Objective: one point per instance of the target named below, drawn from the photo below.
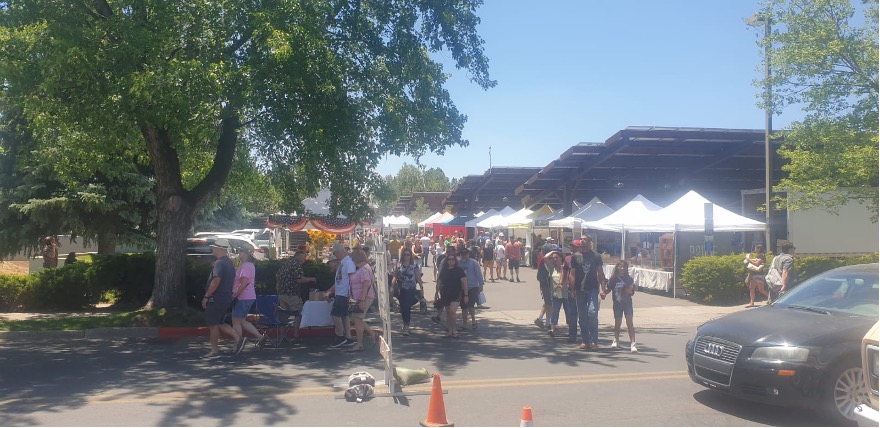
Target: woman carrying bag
(755, 277)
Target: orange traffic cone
(436, 408)
(526, 419)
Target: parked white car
(263, 238)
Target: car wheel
(845, 390)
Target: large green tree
(824, 56)
(318, 90)
(413, 178)
(107, 206)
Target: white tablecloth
(316, 313)
(646, 278)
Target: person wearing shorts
(489, 259)
(341, 290)
(622, 290)
(218, 297)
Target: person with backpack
(489, 259)
(780, 276)
(587, 278)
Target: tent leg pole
(674, 261)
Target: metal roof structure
(407, 204)
(661, 163)
(493, 189)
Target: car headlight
(789, 354)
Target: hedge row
(126, 277)
(720, 279)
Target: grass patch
(151, 318)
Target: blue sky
(578, 71)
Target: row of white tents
(687, 214)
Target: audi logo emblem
(714, 349)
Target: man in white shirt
(426, 248)
(500, 259)
(341, 289)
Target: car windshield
(852, 293)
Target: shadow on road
(758, 412)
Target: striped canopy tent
(296, 223)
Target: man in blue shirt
(475, 287)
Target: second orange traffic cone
(436, 408)
(526, 419)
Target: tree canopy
(824, 58)
(316, 91)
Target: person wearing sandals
(475, 287)
(364, 292)
(406, 277)
(452, 290)
(622, 290)
(243, 297)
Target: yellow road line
(451, 385)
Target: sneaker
(511, 280)
(262, 342)
(613, 344)
(436, 319)
(405, 331)
(539, 323)
(594, 347)
(632, 348)
(350, 342)
(340, 341)
(239, 345)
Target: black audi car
(803, 350)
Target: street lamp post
(756, 20)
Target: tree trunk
(106, 244)
(177, 207)
(175, 217)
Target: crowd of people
(573, 283)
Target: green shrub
(807, 267)
(720, 279)
(62, 289)
(714, 279)
(128, 280)
(16, 292)
(129, 275)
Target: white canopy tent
(496, 220)
(396, 222)
(480, 217)
(636, 210)
(430, 220)
(593, 210)
(687, 214)
(518, 220)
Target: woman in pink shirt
(243, 298)
(364, 292)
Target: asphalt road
(489, 374)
